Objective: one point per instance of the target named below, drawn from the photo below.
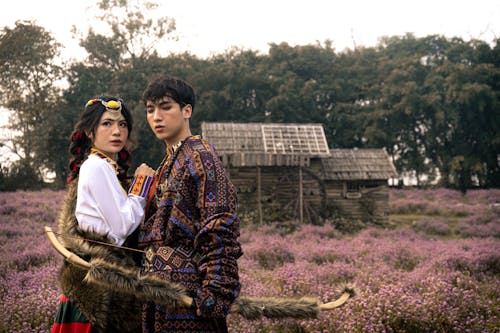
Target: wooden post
(301, 203)
(259, 196)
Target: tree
(300, 81)
(28, 87)
(470, 153)
(231, 87)
(120, 62)
(432, 102)
(132, 34)
(439, 107)
(356, 86)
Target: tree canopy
(28, 86)
(432, 102)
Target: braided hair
(80, 142)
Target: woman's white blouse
(103, 206)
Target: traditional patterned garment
(85, 307)
(190, 236)
(70, 319)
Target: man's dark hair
(175, 88)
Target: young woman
(98, 210)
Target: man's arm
(217, 240)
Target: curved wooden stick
(68, 255)
(78, 261)
(74, 259)
(335, 304)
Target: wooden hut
(356, 183)
(285, 171)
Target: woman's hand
(144, 169)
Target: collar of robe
(105, 157)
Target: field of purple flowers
(436, 269)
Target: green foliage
(27, 54)
(20, 176)
(28, 87)
(120, 62)
(439, 104)
(432, 102)
(133, 33)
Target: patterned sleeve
(217, 240)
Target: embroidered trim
(105, 157)
(173, 148)
(141, 185)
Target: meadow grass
(437, 269)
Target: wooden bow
(269, 307)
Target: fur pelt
(111, 292)
(149, 288)
(145, 287)
(255, 308)
(108, 310)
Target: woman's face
(111, 134)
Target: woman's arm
(104, 207)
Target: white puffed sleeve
(103, 206)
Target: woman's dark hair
(175, 88)
(80, 143)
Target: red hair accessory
(78, 135)
(93, 101)
(123, 155)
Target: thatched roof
(272, 144)
(358, 164)
(267, 138)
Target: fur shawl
(108, 310)
(111, 293)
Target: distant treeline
(432, 102)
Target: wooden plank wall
(278, 185)
(371, 205)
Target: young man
(191, 228)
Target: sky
(207, 27)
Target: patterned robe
(191, 237)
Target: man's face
(168, 120)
